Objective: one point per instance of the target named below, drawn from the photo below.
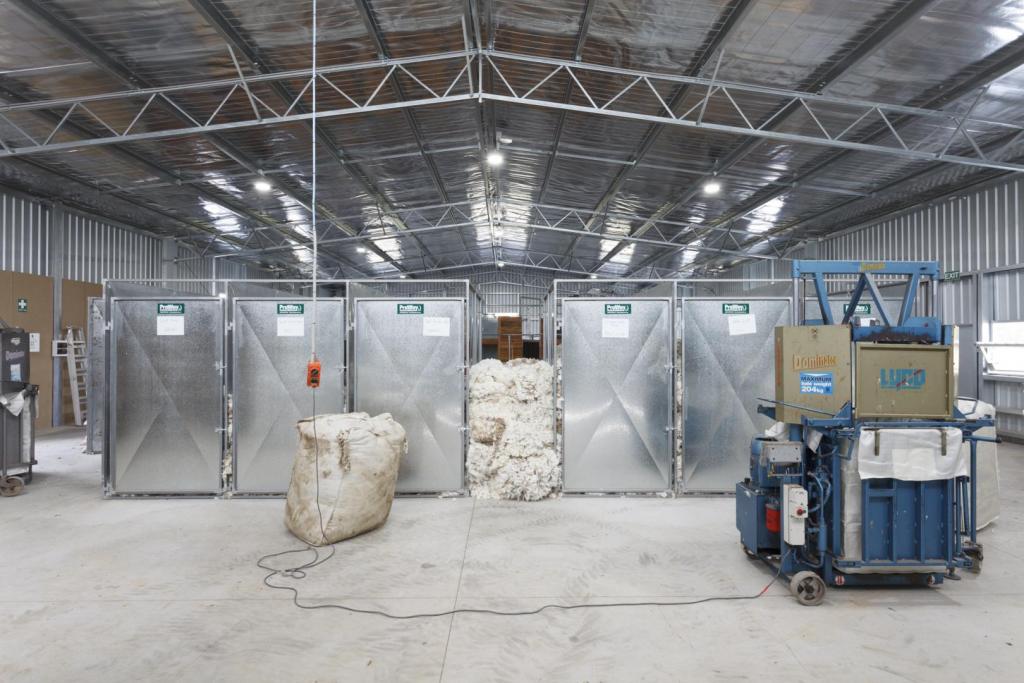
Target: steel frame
(539, 217)
(467, 86)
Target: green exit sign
(951, 276)
(22, 305)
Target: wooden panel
(38, 291)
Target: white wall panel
(24, 235)
(95, 250)
(977, 230)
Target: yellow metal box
(812, 370)
(904, 380)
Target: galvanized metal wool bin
(728, 363)
(409, 359)
(617, 394)
(165, 419)
(270, 349)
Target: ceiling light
(361, 250)
(262, 186)
(593, 276)
(402, 276)
(495, 158)
(501, 264)
(712, 187)
(506, 140)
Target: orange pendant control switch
(313, 374)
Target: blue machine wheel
(808, 588)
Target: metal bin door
(727, 365)
(167, 410)
(270, 344)
(617, 394)
(409, 362)
(96, 375)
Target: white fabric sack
(358, 467)
(911, 454)
(13, 402)
(988, 461)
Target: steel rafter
(870, 40)
(715, 43)
(466, 87)
(57, 24)
(373, 30)
(572, 221)
(226, 26)
(1005, 60)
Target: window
(1004, 353)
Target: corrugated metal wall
(972, 232)
(95, 250)
(24, 235)
(979, 233)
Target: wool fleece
(512, 443)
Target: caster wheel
(749, 553)
(808, 588)
(11, 486)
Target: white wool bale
(511, 454)
(487, 421)
(354, 486)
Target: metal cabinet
(166, 408)
(270, 349)
(617, 394)
(728, 363)
(409, 359)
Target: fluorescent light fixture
(402, 276)
(495, 158)
(712, 187)
(361, 249)
(593, 276)
(262, 186)
(501, 264)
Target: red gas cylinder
(771, 517)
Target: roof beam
(1005, 60)
(369, 19)
(63, 28)
(221, 22)
(577, 55)
(734, 16)
(746, 130)
(873, 38)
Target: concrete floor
(127, 590)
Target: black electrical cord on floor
(299, 572)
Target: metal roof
(612, 115)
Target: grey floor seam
(458, 588)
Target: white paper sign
(742, 324)
(15, 372)
(170, 325)
(615, 328)
(291, 326)
(434, 326)
(33, 342)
